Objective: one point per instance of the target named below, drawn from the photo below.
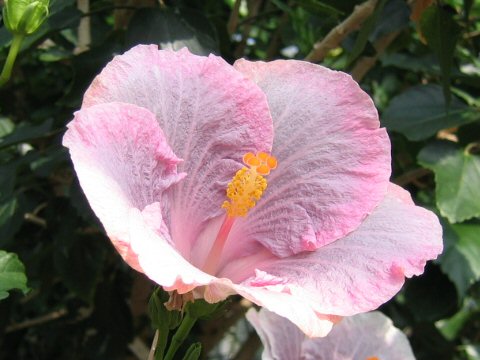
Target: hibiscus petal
(281, 301)
(281, 339)
(157, 257)
(123, 162)
(355, 274)
(333, 160)
(362, 336)
(211, 115)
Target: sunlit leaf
(12, 274)
(461, 257)
(457, 178)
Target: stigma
(248, 184)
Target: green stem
(180, 336)
(12, 55)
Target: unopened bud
(24, 17)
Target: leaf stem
(180, 336)
(151, 354)
(12, 55)
(341, 31)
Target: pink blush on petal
(333, 159)
(123, 162)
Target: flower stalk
(12, 55)
(180, 336)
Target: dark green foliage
(441, 32)
(420, 111)
(426, 85)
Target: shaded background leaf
(421, 111)
(441, 32)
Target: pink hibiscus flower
(161, 134)
(369, 336)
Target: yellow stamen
(248, 184)
(373, 358)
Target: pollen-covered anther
(248, 184)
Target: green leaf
(50, 160)
(12, 274)
(460, 260)
(428, 342)
(193, 352)
(111, 319)
(200, 309)
(450, 328)
(160, 320)
(469, 245)
(421, 64)
(79, 260)
(395, 16)
(317, 7)
(6, 126)
(78, 257)
(345, 6)
(457, 178)
(420, 112)
(432, 296)
(11, 219)
(365, 32)
(86, 66)
(467, 7)
(472, 352)
(160, 316)
(25, 132)
(172, 31)
(441, 32)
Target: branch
(412, 176)
(84, 36)
(249, 348)
(276, 38)
(253, 9)
(214, 330)
(365, 63)
(234, 16)
(139, 349)
(124, 10)
(34, 219)
(337, 34)
(151, 355)
(37, 321)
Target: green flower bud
(193, 352)
(24, 17)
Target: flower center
(245, 189)
(248, 184)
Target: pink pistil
(213, 258)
